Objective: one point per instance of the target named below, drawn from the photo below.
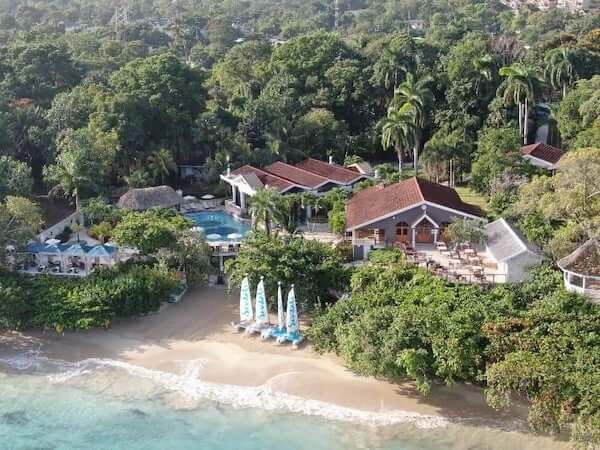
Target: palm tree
(398, 130)
(560, 69)
(161, 164)
(417, 94)
(263, 205)
(435, 158)
(523, 87)
(484, 66)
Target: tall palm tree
(398, 131)
(263, 205)
(560, 68)
(523, 87)
(161, 164)
(417, 94)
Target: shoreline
(197, 329)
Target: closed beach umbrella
(262, 311)
(246, 313)
(280, 313)
(292, 312)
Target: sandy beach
(198, 328)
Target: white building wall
(517, 268)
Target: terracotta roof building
(542, 155)
(310, 175)
(413, 211)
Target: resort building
(512, 253)
(310, 175)
(581, 270)
(542, 155)
(151, 197)
(411, 212)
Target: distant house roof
(266, 178)
(372, 204)
(583, 261)
(362, 167)
(152, 197)
(296, 175)
(544, 152)
(332, 171)
(505, 241)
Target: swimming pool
(219, 225)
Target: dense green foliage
(95, 301)
(150, 230)
(534, 339)
(315, 268)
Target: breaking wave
(190, 385)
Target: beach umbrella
(262, 311)
(52, 250)
(292, 312)
(207, 197)
(234, 236)
(75, 250)
(246, 313)
(213, 236)
(280, 313)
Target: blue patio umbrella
(51, 250)
(292, 313)
(75, 250)
(246, 313)
(262, 311)
(99, 250)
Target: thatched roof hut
(152, 197)
(583, 261)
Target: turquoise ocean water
(103, 404)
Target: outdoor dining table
(469, 251)
(477, 269)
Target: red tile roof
(544, 152)
(371, 204)
(331, 171)
(266, 178)
(296, 175)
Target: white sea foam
(190, 385)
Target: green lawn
(468, 195)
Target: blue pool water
(219, 223)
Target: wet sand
(198, 328)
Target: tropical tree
(465, 230)
(263, 206)
(560, 68)
(20, 219)
(161, 164)
(398, 130)
(416, 93)
(484, 68)
(523, 87)
(82, 162)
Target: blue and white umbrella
(292, 313)
(280, 312)
(246, 313)
(262, 311)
